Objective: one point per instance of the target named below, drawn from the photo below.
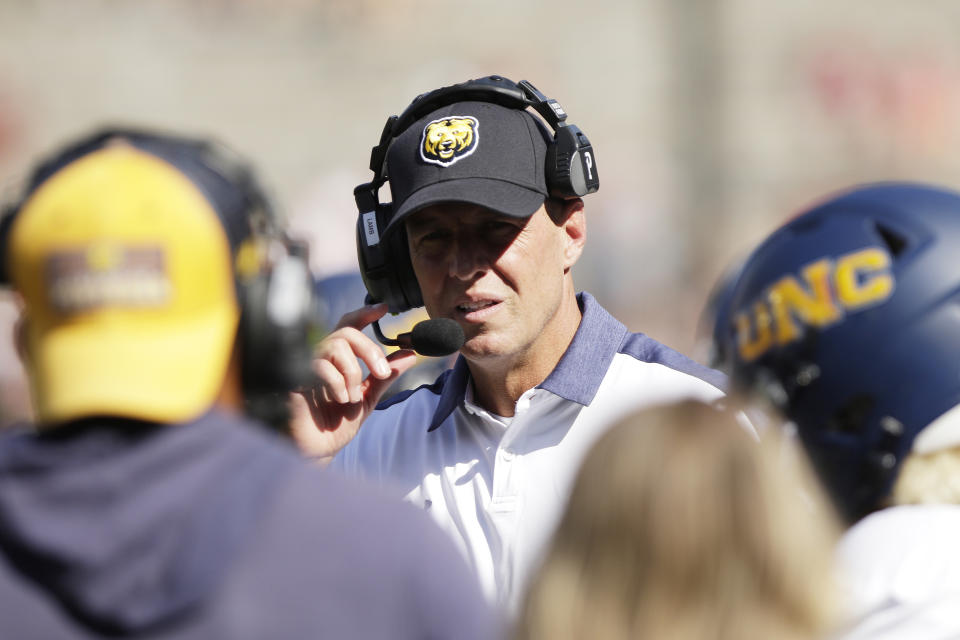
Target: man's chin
(482, 347)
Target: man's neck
(499, 383)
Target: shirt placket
(507, 499)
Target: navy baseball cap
(473, 152)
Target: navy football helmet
(847, 320)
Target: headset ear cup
(570, 164)
(261, 363)
(252, 331)
(385, 262)
(372, 258)
(275, 334)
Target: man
(845, 321)
(487, 219)
(159, 297)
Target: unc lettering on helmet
(449, 139)
(830, 290)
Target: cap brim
(503, 197)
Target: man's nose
(466, 259)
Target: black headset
(275, 298)
(571, 172)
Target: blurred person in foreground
(681, 526)
(485, 227)
(159, 300)
(846, 322)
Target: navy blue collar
(577, 375)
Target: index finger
(360, 318)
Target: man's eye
(500, 226)
(434, 236)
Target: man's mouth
(467, 307)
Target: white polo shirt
(499, 485)
(900, 574)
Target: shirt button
(506, 455)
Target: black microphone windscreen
(437, 337)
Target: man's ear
(574, 226)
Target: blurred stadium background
(712, 120)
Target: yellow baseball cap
(125, 271)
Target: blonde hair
(682, 526)
(931, 478)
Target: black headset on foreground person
(571, 172)
(273, 282)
